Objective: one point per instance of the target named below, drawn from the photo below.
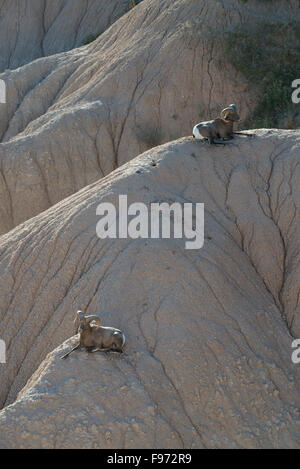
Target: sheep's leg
(97, 349)
(109, 350)
(91, 349)
(116, 350)
(244, 133)
(208, 140)
(213, 141)
(72, 350)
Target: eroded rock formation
(30, 29)
(73, 117)
(209, 331)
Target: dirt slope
(209, 332)
(73, 117)
(30, 29)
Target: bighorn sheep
(96, 337)
(222, 127)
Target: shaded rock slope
(209, 331)
(30, 29)
(73, 117)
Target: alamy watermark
(181, 221)
(2, 351)
(296, 352)
(3, 101)
(2, 92)
(296, 93)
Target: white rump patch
(196, 133)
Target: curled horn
(93, 318)
(230, 109)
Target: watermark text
(2, 92)
(296, 352)
(296, 93)
(2, 351)
(165, 221)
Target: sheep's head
(230, 113)
(82, 320)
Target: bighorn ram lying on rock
(220, 128)
(96, 337)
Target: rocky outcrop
(209, 331)
(30, 29)
(72, 118)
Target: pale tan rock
(30, 29)
(209, 332)
(75, 116)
